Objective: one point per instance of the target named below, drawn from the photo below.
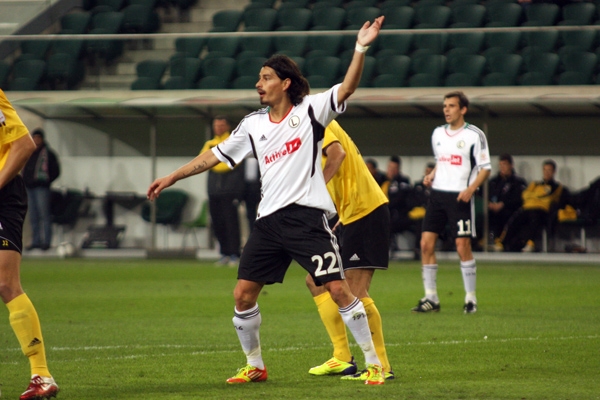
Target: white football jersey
(288, 152)
(459, 155)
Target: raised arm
(367, 34)
(198, 165)
(20, 151)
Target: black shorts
(13, 207)
(365, 242)
(292, 233)
(443, 208)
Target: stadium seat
(349, 5)
(328, 19)
(391, 71)
(460, 79)
(430, 43)
(471, 42)
(574, 78)
(468, 16)
(149, 74)
(432, 17)
(327, 67)
(106, 23)
(462, 66)
(328, 3)
(503, 68)
(188, 47)
(64, 71)
(503, 14)
(498, 79)
(394, 44)
(221, 71)
(169, 209)
(582, 64)
(226, 20)
(539, 68)
(427, 3)
(138, 18)
(541, 14)
(260, 20)
(326, 45)
(290, 45)
(255, 46)
(400, 17)
(583, 40)
(544, 41)
(183, 73)
(428, 70)
(368, 70)
(504, 42)
(244, 82)
(222, 46)
(298, 3)
(249, 66)
(28, 75)
(295, 19)
(394, 3)
(107, 6)
(578, 14)
(34, 49)
(355, 18)
(75, 23)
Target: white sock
(247, 324)
(469, 273)
(429, 273)
(355, 318)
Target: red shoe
(249, 374)
(40, 388)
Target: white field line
(273, 349)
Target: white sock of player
(355, 318)
(247, 324)
(469, 273)
(429, 273)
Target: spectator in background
(41, 170)
(540, 200)
(225, 191)
(417, 203)
(372, 166)
(251, 189)
(398, 190)
(505, 191)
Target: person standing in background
(16, 146)
(225, 191)
(41, 170)
(252, 193)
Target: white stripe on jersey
(459, 156)
(288, 152)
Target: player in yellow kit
(365, 222)
(16, 145)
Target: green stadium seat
(75, 23)
(138, 18)
(400, 17)
(368, 69)
(249, 66)
(395, 3)
(394, 44)
(218, 73)
(328, 3)
(34, 49)
(360, 4)
(544, 41)
(468, 16)
(541, 14)
(5, 69)
(327, 67)
(539, 68)
(574, 78)
(460, 79)
(583, 63)
(298, 3)
(260, 20)
(467, 68)
(471, 42)
(504, 42)
(226, 20)
(326, 45)
(498, 79)
(432, 17)
(222, 46)
(503, 68)
(28, 75)
(107, 6)
(295, 19)
(255, 46)
(106, 23)
(427, 43)
(430, 67)
(290, 45)
(578, 14)
(503, 14)
(391, 71)
(64, 71)
(244, 82)
(584, 40)
(188, 47)
(149, 74)
(183, 73)
(328, 19)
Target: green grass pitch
(161, 329)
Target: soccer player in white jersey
(462, 165)
(286, 138)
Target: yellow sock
(330, 315)
(376, 331)
(26, 325)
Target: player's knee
(310, 283)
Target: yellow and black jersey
(11, 127)
(220, 167)
(353, 189)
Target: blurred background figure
(372, 166)
(41, 170)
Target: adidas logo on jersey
(262, 138)
(355, 257)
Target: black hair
(286, 68)
(550, 162)
(463, 100)
(39, 132)
(506, 157)
(396, 160)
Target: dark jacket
(507, 190)
(42, 168)
(227, 183)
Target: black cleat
(426, 305)
(470, 308)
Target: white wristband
(360, 48)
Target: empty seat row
(430, 15)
